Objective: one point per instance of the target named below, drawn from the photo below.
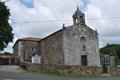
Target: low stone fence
(114, 71)
(62, 69)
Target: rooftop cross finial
(78, 11)
(63, 26)
(77, 8)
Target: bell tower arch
(78, 17)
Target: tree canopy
(6, 34)
(110, 49)
(113, 50)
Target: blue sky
(27, 3)
(35, 11)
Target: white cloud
(44, 10)
(107, 26)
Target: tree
(6, 34)
(113, 50)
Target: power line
(112, 18)
(88, 19)
(41, 21)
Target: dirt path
(10, 68)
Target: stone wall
(73, 46)
(15, 49)
(15, 52)
(62, 69)
(115, 71)
(51, 48)
(23, 50)
(27, 50)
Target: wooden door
(84, 60)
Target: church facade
(77, 44)
(73, 45)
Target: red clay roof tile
(31, 39)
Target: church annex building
(77, 44)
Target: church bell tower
(78, 17)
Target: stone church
(72, 45)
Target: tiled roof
(35, 39)
(31, 39)
(28, 39)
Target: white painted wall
(36, 59)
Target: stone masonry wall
(51, 49)
(73, 47)
(114, 71)
(62, 69)
(27, 50)
(15, 50)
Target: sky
(39, 18)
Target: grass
(61, 74)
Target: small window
(80, 16)
(42, 60)
(24, 55)
(83, 48)
(82, 39)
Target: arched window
(83, 47)
(83, 40)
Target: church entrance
(84, 60)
